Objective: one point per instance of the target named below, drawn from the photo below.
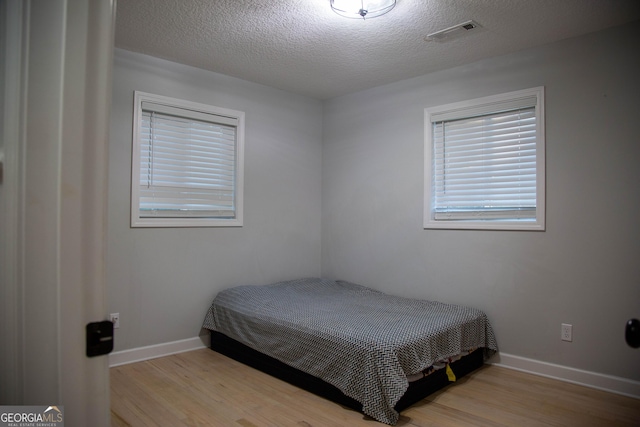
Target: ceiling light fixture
(362, 8)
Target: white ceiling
(302, 46)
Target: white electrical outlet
(566, 332)
(115, 319)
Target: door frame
(54, 200)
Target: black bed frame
(417, 390)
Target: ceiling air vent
(453, 31)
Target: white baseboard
(595, 380)
(151, 352)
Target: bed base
(417, 390)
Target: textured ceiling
(302, 46)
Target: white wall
(162, 281)
(584, 269)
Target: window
(484, 163)
(187, 164)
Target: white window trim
(461, 109)
(136, 220)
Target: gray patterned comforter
(361, 340)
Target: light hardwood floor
(204, 388)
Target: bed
(362, 348)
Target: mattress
(362, 341)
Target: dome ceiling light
(362, 8)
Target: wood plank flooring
(204, 388)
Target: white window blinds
(187, 165)
(486, 166)
(485, 163)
